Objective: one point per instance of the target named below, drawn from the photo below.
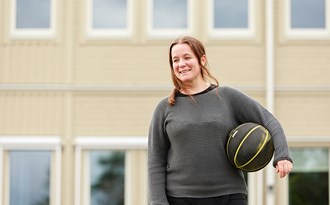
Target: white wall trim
(113, 142)
(146, 87)
(1, 175)
(308, 139)
(34, 143)
(270, 97)
(77, 174)
(30, 142)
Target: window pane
(304, 160)
(33, 14)
(29, 177)
(307, 14)
(231, 14)
(170, 14)
(110, 14)
(310, 169)
(107, 177)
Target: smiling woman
(187, 160)
(186, 68)
(189, 70)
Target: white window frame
(114, 143)
(108, 33)
(240, 34)
(302, 142)
(49, 143)
(168, 33)
(16, 33)
(306, 34)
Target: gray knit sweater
(186, 147)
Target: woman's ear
(203, 60)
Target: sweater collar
(211, 87)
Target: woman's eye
(187, 57)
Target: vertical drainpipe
(270, 178)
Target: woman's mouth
(184, 71)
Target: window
(107, 175)
(111, 169)
(169, 18)
(30, 170)
(29, 177)
(311, 167)
(33, 19)
(307, 19)
(231, 19)
(109, 18)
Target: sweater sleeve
(158, 146)
(247, 109)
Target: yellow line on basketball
(240, 145)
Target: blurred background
(79, 80)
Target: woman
(187, 163)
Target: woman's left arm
(249, 110)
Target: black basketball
(249, 147)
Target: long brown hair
(198, 49)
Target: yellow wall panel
(239, 64)
(113, 114)
(31, 113)
(304, 114)
(122, 64)
(33, 63)
(303, 65)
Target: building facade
(79, 81)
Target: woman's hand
(283, 168)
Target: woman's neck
(195, 88)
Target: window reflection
(29, 177)
(33, 14)
(170, 14)
(311, 167)
(107, 174)
(308, 14)
(109, 14)
(231, 14)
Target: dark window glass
(29, 177)
(109, 14)
(308, 14)
(33, 14)
(170, 14)
(309, 180)
(107, 174)
(231, 14)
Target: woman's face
(186, 65)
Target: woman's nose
(182, 63)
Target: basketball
(249, 147)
